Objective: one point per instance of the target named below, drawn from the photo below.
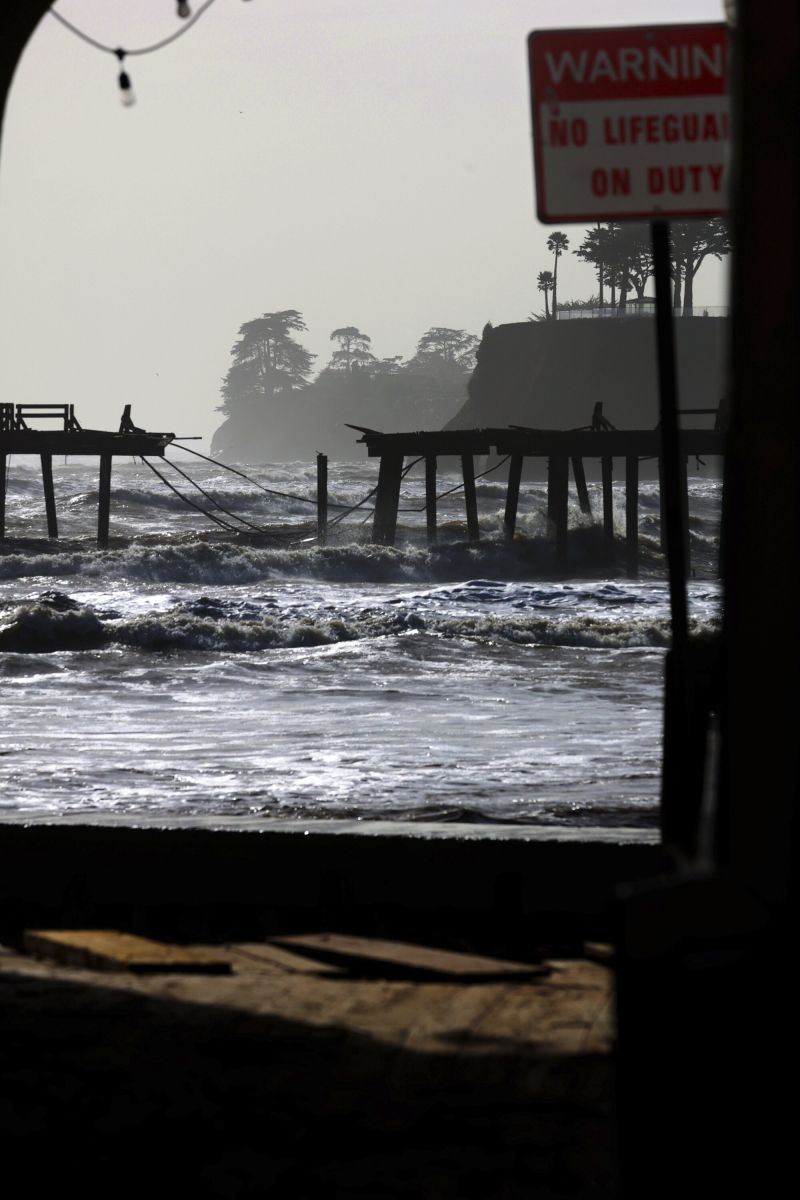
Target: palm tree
(558, 243)
(545, 283)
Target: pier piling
(470, 497)
(607, 472)
(104, 501)
(49, 495)
(579, 475)
(512, 495)
(3, 476)
(387, 500)
(558, 506)
(322, 499)
(430, 496)
(632, 516)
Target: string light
(126, 90)
(184, 11)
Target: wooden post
(632, 516)
(607, 470)
(49, 495)
(579, 476)
(104, 501)
(430, 496)
(558, 505)
(470, 499)
(512, 495)
(3, 470)
(384, 525)
(322, 499)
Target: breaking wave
(214, 560)
(57, 622)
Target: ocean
(209, 674)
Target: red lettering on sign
(562, 132)
(616, 182)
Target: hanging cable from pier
(369, 495)
(458, 486)
(215, 502)
(191, 503)
(260, 486)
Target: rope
(172, 37)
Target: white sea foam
(210, 676)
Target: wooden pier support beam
(3, 473)
(322, 499)
(49, 495)
(512, 495)
(430, 496)
(470, 498)
(579, 475)
(632, 516)
(387, 500)
(607, 472)
(104, 501)
(558, 505)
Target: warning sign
(631, 122)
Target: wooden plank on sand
(377, 957)
(110, 950)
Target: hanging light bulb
(183, 9)
(126, 90)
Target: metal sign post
(634, 124)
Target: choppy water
(191, 673)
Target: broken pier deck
(70, 439)
(561, 448)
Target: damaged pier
(563, 449)
(70, 439)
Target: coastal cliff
(550, 374)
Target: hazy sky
(367, 162)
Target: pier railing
(580, 313)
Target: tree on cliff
(544, 283)
(266, 359)
(692, 243)
(453, 349)
(353, 351)
(633, 260)
(622, 256)
(557, 243)
(596, 250)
